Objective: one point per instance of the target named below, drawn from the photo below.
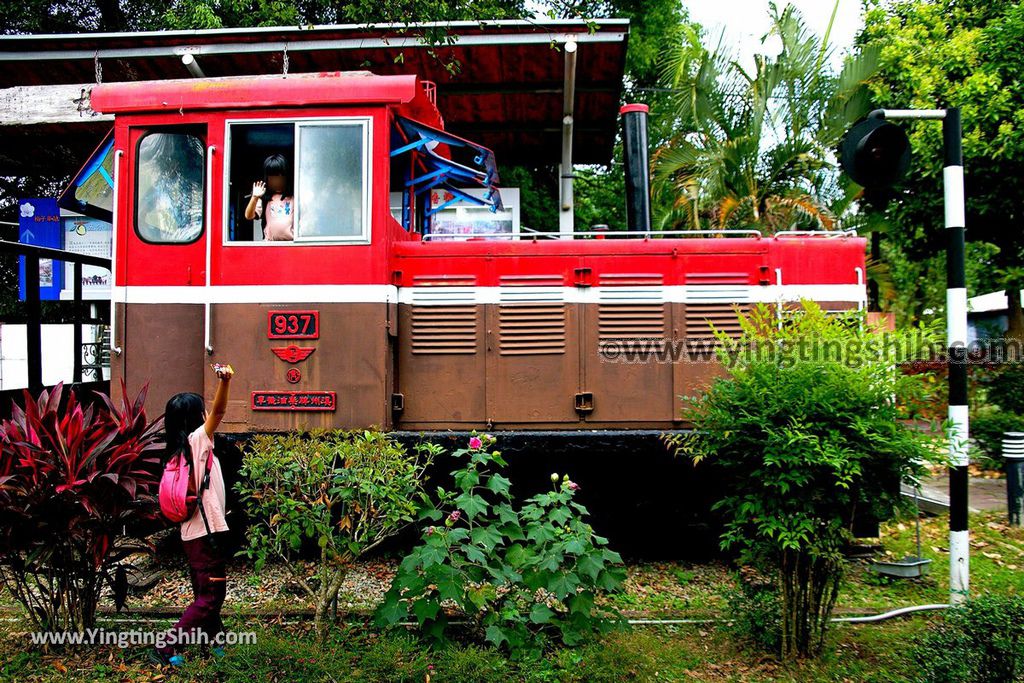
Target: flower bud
(554, 477)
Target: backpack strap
(202, 487)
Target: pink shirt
(278, 223)
(214, 500)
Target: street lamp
(876, 153)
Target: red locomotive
(363, 318)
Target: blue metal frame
(441, 172)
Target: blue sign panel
(39, 224)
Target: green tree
(344, 492)
(81, 16)
(806, 428)
(968, 54)
(756, 148)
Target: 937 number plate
(293, 325)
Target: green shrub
(806, 428)
(520, 576)
(979, 642)
(76, 485)
(755, 613)
(347, 492)
(987, 429)
(1006, 389)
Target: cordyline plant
(71, 480)
(806, 428)
(344, 491)
(522, 576)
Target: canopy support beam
(565, 175)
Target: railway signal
(876, 153)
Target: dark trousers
(207, 562)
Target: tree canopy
(954, 53)
(755, 148)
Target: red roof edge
(337, 87)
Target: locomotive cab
(307, 320)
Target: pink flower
(475, 442)
(430, 530)
(573, 486)
(455, 515)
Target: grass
(357, 652)
(996, 563)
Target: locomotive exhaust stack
(636, 158)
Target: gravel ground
(274, 587)
(654, 588)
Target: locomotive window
(169, 187)
(331, 196)
(249, 147)
(328, 165)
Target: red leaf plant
(74, 483)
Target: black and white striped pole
(875, 154)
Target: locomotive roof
(506, 94)
(296, 89)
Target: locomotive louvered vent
(701, 317)
(449, 290)
(443, 280)
(531, 329)
(444, 329)
(631, 321)
(522, 289)
(716, 287)
(630, 307)
(531, 280)
(625, 279)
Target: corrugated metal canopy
(507, 93)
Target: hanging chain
(98, 68)
(284, 59)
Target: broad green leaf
(471, 504)
(541, 614)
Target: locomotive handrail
(817, 233)
(209, 239)
(115, 350)
(529, 233)
(590, 233)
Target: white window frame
(366, 235)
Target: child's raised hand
(223, 371)
(259, 188)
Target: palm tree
(757, 148)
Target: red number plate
(293, 325)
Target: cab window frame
(198, 131)
(363, 121)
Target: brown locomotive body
(365, 320)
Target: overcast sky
(746, 21)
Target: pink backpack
(177, 494)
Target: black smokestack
(635, 156)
